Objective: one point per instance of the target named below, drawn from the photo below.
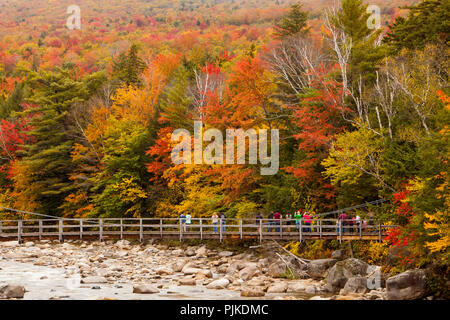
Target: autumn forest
(86, 115)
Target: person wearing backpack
(183, 221)
(188, 222)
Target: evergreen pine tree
(294, 23)
(48, 157)
(129, 67)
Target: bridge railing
(202, 228)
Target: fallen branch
(304, 261)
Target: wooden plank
(60, 230)
(101, 230)
(301, 230)
(240, 228)
(141, 231)
(201, 228)
(19, 231)
(260, 231)
(40, 230)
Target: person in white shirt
(188, 222)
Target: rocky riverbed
(122, 270)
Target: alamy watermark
(213, 153)
(374, 20)
(74, 20)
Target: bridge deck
(200, 228)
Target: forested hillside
(86, 115)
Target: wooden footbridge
(200, 228)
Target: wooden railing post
(379, 233)
(1, 228)
(121, 229)
(60, 230)
(161, 228)
(301, 230)
(40, 229)
(281, 227)
(340, 231)
(260, 230)
(101, 229)
(181, 230)
(240, 228)
(19, 231)
(320, 228)
(201, 228)
(360, 230)
(141, 231)
(220, 232)
(81, 229)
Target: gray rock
(297, 286)
(218, 284)
(344, 270)
(317, 268)
(10, 291)
(145, 289)
(252, 292)
(94, 279)
(409, 285)
(356, 285)
(276, 269)
(280, 287)
(249, 272)
(187, 282)
(339, 254)
(225, 254)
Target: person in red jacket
(277, 218)
(307, 217)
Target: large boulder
(279, 287)
(249, 271)
(276, 269)
(343, 270)
(252, 292)
(297, 286)
(10, 291)
(219, 284)
(179, 264)
(144, 289)
(317, 268)
(409, 285)
(355, 285)
(339, 254)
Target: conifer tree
(294, 23)
(48, 157)
(129, 66)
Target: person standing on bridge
(307, 218)
(270, 218)
(358, 223)
(183, 221)
(298, 217)
(188, 222)
(288, 218)
(342, 221)
(277, 217)
(223, 218)
(215, 221)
